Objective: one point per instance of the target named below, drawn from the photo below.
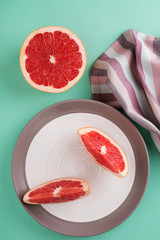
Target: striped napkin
(127, 75)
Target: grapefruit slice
(104, 150)
(58, 191)
(52, 59)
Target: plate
(49, 148)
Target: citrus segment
(104, 150)
(58, 191)
(52, 59)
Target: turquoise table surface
(97, 23)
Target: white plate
(56, 152)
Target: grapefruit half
(58, 191)
(104, 150)
(52, 59)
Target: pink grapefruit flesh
(104, 150)
(52, 59)
(58, 191)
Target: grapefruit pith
(52, 59)
(58, 191)
(104, 150)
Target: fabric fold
(127, 75)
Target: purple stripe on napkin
(104, 97)
(156, 46)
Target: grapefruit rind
(23, 57)
(88, 129)
(86, 189)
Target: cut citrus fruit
(104, 150)
(52, 59)
(58, 191)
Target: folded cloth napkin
(127, 74)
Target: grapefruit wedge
(52, 59)
(58, 191)
(104, 150)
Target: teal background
(97, 23)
